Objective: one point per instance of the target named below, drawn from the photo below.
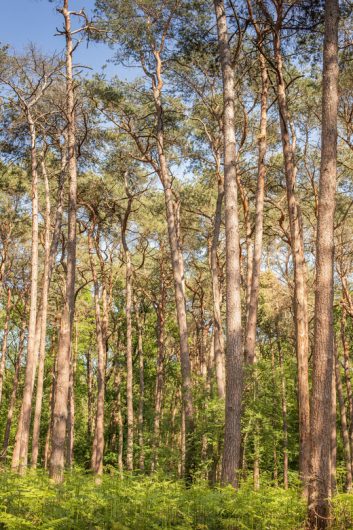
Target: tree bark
(297, 247)
(284, 414)
(141, 388)
(344, 425)
(43, 322)
(321, 405)
(50, 250)
(346, 366)
(98, 438)
(160, 309)
(234, 353)
(57, 456)
(333, 462)
(4, 340)
(15, 381)
(178, 275)
(71, 404)
(251, 321)
(20, 453)
(216, 290)
(129, 365)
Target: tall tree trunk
(50, 250)
(321, 407)
(129, 365)
(71, 404)
(333, 462)
(250, 340)
(297, 247)
(47, 446)
(4, 340)
(344, 427)
(218, 337)
(347, 375)
(284, 414)
(178, 274)
(120, 424)
(160, 308)
(234, 353)
(15, 381)
(117, 422)
(63, 358)
(142, 388)
(98, 439)
(43, 322)
(20, 453)
(89, 395)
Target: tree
(234, 353)
(320, 478)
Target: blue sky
(24, 21)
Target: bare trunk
(344, 425)
(20, 453)
(216, 291)
(15, 381)
(50, 249)
(256, 466)
(98, 439)
(250, 340)
(51, 417)
(4, 341)
(159, 378)
(71, 412)
(234, 353)
(129, 365)
(117, 423)
(347, 376)
(321, 405)
(333, 462)
(297, 247)
(284, 416)
(89, 396)
(57, 456)
(142, 390)
(120, 425)
(178, 275)
(43, 323)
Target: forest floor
(147, 503)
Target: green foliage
(142, 503)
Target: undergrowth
(148, 503)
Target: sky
(35, 21)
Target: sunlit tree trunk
(284, 414)
(129, 366)
(321, 405)
(4, 340)
(251, 321)
(98, 438)
(20, 452)
(178, 274)
(57, 456)
(12, 402)
(216, 289)
(297, 246)
(50, 250)
(344, 427)
(160, 310)
(141, 388)
(234, 350)
(71, 407)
